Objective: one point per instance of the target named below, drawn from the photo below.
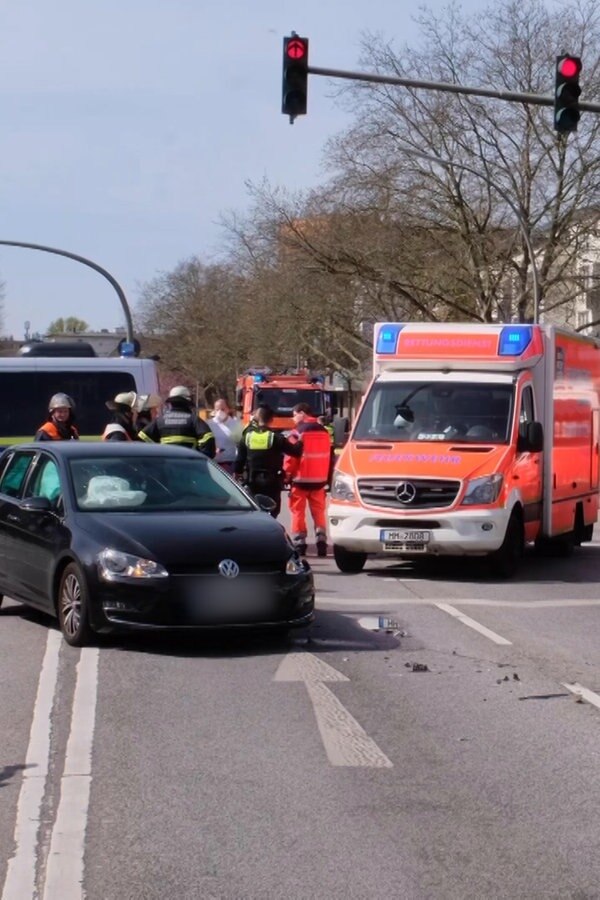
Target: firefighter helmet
(61, 401)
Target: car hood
(424, 459)
(178, 539)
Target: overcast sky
(129, 126)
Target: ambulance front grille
(408, 493)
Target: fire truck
(473, 440)
(281, 391)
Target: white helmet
(128, 398)
(147, 401)
(180, 392)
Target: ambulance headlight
(482, 490)
(342, 487)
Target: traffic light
(566, 93)
(295, 76)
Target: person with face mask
(227, 430)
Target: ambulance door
(527, 473)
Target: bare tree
(193, 317)
(512, 147)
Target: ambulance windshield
(283, 400)
(433, 411)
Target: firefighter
(259, 462)
(179, 424)
(123, 425)
(147, 410)
(60, 425)
(307, 478)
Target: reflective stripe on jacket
(259, 440)
(181, 427)
(115, 432)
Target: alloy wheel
(70, 601)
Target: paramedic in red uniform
(307, 477)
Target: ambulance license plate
(389, 536)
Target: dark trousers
(268, 484)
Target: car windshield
(152, 483)
(434, 411)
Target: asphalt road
(434, 735)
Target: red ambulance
(472, 440)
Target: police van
(27, 383)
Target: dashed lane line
(584, 693)
(471, 623)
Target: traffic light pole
(447, 164)
(92, 265)
(513, 97)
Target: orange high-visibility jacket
(311, 470)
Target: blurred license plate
(394, 536)
(231, 598)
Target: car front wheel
(73, 607)
(348, 561)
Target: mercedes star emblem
(405, 492)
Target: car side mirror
(267, 504)
(531, 437)
(36, 504)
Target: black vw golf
(122, 535)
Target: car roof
(74, 449)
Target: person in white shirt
(227, 430)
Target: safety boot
(321, 547)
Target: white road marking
(346, 742)
(584, 693)
(471, 623)
(64, 871)
(385, 602)
(20, 876)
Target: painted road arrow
(346, 742)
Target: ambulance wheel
(505, 561)
(348, 561)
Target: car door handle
(13, 518)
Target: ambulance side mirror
(531, 437)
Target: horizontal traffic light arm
(539, 99)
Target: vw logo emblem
(405, 492)
(228, 568)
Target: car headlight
(113, 565)
(482, 490)
(294, 566)
(342, 487)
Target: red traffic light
(569, 67)
(296, 49)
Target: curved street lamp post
(92, 265)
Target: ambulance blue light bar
(514, 340)
(387, 339)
